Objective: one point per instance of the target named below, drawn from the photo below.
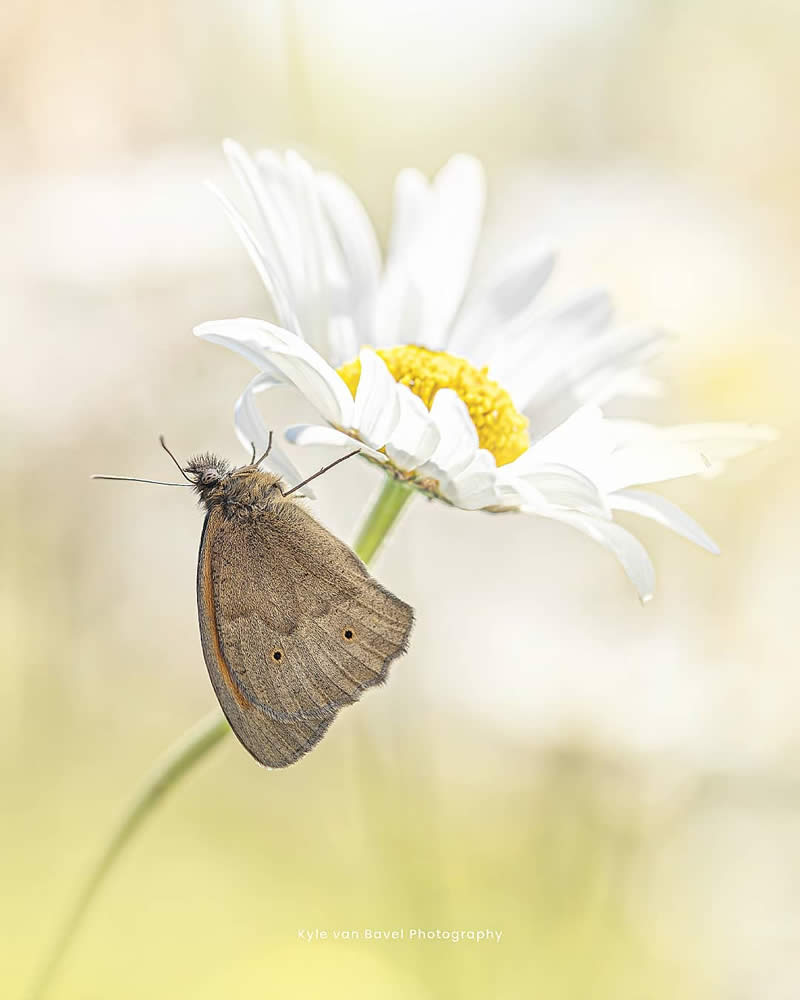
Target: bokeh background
(615, 788)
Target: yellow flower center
(501, 428)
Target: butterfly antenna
(175, 460)
(324, 469)
(135, 479)
(269, 449)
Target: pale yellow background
(616, 788)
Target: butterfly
(293, 626)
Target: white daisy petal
(663, 512)
(432, 247)
(509, 495)
(628, 549)
(282, 209)
(343, 340)
(624, 352)
(252, 432)
(310, 222)
(721, 441)
(399, 306)
(398, 311)
(460, 190)
(550, 383)
(717, 441)
(273, 279)
(272, 170)
(582, 441)
(299, 239)
(505, 299)
(239, 336)
(475, 486)
(412, 205)
(458, 439)
(416, 436)
(654, 460)
(358, 243)
(562, 486)
(268, 345)
(616, 454)
(318, 434)
(376, 409)
(250, 428)
(519, 494)
(539, 342)
(592, 310)
(612, 385)
(275, 233)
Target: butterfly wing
(293, 628)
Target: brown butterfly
(293, 626)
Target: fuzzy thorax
(240, 492)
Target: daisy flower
(475, 395)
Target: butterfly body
(293, 626)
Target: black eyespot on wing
(348, 634)
(277, 654)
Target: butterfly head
(207, 473)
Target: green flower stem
(393, 497)
(182, 756)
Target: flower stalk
(380, 518)
(183, 756)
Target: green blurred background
(615, 788)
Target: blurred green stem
(393, 497)
(183, 755)
(180, 758)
